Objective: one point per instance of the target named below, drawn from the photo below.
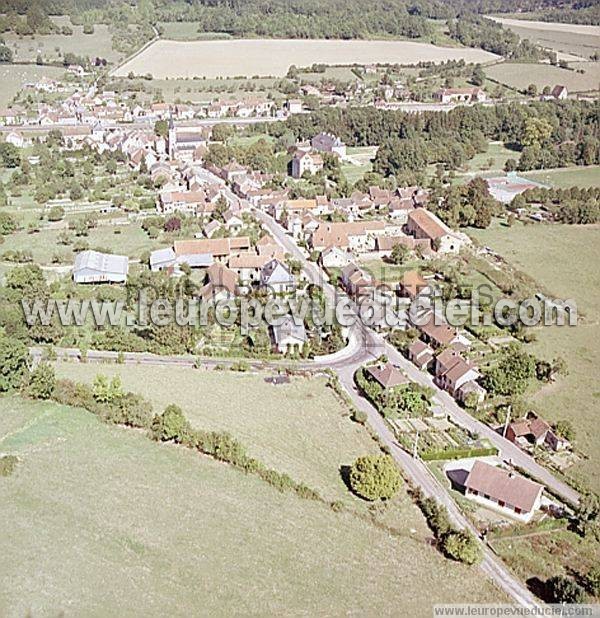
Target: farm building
(96, 267)
(506, 188)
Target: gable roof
(502, 485)
(388, 375)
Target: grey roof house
(95, 267)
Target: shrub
(565, 590)
(375, 477)
(358, 416)
(74, 394)
(131, 410)
(8, 464)
(13, 363)
(436, 516)
(462, 546)
(170, 425)
(592, 580)
(41, 382)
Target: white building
(96, 267)
(289, 336)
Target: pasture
(14, 76)
(100, 520)
(53, 46)
(572, 39)
(519, 76)
(273, 57)
(564, 259)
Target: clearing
(129, 525)
(564, 259)
(250, 57)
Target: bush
(41, 382)
(13, 363)
(170, 425)
(74, 394)
(131, 410)
(565, 590)
(359, 416)
(375, 477)
(436, 516)
(592, 580)
(8, 464)
(462, 546)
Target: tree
(8, 223)
(222, 132)
(6, 55)
(170, 425)
(537, 132)
(42, 381)
(587, 516)
(592, 580)
(105, 391)
(161, 128)
(9, 155)
(565, 590)
(462, 546)
(564, 429)
(375, 477)
(13, 363)
(512, 373)
(399, 254)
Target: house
(534, 431)
(294, 106)
(289, 336)
(387, 376)
(248, 266)
(16, 139)
(96, 267)
(211, 227)
(503, 491)
(422, 223)
(453, 372)
(413, 285)
(558, 93)
(220, 249)
(327, 142)
(356, 281)
(162, 259)
(306, 162)
(276, 277)
(357, 236)
(334, 257)
(438, 334)
(460, 95)
(420, 354)
(233, 222)
(221, 283)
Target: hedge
(458, 453)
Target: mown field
(572, 39)
(250, 57)
(564, 260)
(520, 76)
(101, 521)
(14, 76)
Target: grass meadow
(102, 521)
(564, 260)
(566, 177)
(13, 76)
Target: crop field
(564, 259)
(238, 544)
(250, 57)
(519, 76)
(572, 39)
(13, 76)
(53, 46)
(566, 177)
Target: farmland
(13, 76)
(249, 57)
(238, 545)
(548, 253)
(571, 39)
(519, 76)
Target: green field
(519, 76)
(564, 260)
(13, 76)
(26, 48)
(492, 160)
(358, 163)
(565, 178)
(101, 521)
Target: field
(187, 31)
(13, 76)
(565, 178)
(134, 525)
(496, 154)
(571, 39)
(359, 161)
(26, 48)
(519, 76)
(563, 259)
(250, 57)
